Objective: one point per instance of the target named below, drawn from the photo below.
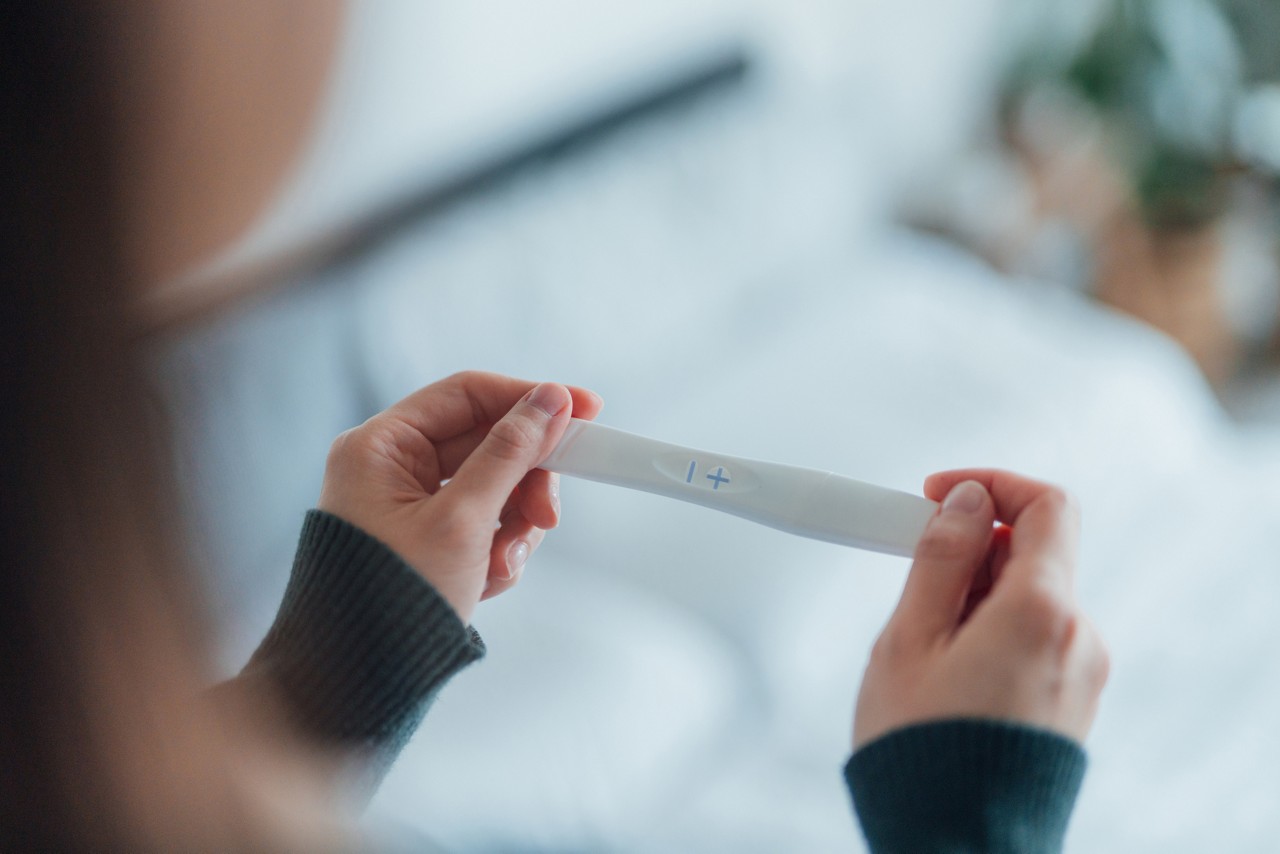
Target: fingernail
(553, 486)
(548, 398)
(516, 556)
(966, 497)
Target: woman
(138, 136)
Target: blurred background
(881, 237)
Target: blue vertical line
(693, 466)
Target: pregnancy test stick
(811, 503)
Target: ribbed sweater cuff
(362, 641)
(966, 786)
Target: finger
(538, 497)
(1000, 552)
(586, 403)
(1044, 544)
(988, 575)
(1045, 521)
(452, 452)
(515, 445)
(497, 588)
(458, 404)
(954, 546)
(1012, 493)
(512, 502)
(515, 543)
(539, 494)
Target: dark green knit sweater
(363, 643)
(964, 787)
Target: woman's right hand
(988, 625)
(448, 478)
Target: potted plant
(1156, 136)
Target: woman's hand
(447, 478)
(988, 625)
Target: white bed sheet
(885, 359)
(668, 678)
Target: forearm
(964, 787)
(360, 647)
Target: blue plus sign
(717, 478)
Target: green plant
(1186, 90)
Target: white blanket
(669, 678)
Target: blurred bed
(724, 273)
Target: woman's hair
(98, 634)
(108, 740)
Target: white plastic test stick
(802, 501)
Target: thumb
(954, 546)
(514, 446)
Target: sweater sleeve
(966, 786)
(360, 647)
